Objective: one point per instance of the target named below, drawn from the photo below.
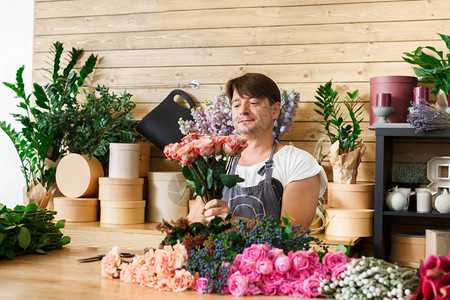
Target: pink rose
(298, 275)
(321, 270)
(300, 260)
(284, 288)
(250, 272)
(297, 290)
(333, 259)
(218, 142)
(110, 263)
(191, 137)
(201, 285)
(268, 290)
(337, 271)
(283, 264)
(274, 253)
(237, 263)
(186, 154)
(171, 150)
(204, 147)
(234, 144)
(274, 279)
(311, 285)
(254, 253)
(237, 284)
(181, 281)
(253, 289)
(264, 266)
(313, 258)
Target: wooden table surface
(58, 275)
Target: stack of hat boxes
(121, 194)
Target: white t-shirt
(290, 163)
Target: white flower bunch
(371, 278)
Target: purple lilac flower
(215, 119)
(425, 118)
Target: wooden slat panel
(66, 8)
(255, 55)
(292, 73)
(245, 17)
(276, 35)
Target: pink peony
(110, 263)
(254, 253)
(181, 281)
(300, 260)
(274, 253)
(321, 270)
(337, 271)
(284, 288)
(237, 263)
(283, 264)
(298, 275)
(146, 278)
(249, 270)
(253, 289)
(273, 279)
(237, 284)
(313, 257)
(311, 285)
(333, 259)
(297, 290)
(264, 266)
(201, 285)
(268, 290)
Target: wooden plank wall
(300, 44)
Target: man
(279, 179)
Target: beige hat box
(358, 195)
(77, 179)
(407, 249)
(349, 222)
(163, 196)
(121, 194)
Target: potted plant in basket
(347, 148)
(39, 143)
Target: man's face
(253, 116)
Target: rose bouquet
(204, 161)
(435, 278)
(215, 119)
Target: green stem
(208, 196)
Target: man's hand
(216, 207)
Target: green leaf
(40, 251)
(65, 240)
(24, 237)
(341, 248)
(2, 237)
(230, 180)
(181, 193)
(9, 253)
(61, 223)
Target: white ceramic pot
(396, 200)
(442, 202)
(163, 196)
(77, 176)
(124, 160)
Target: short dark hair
(254, 85)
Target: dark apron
(259, 200)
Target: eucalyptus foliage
(337, 126)
(27, 229)
(45, 120)
(433, 68)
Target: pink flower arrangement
(161, 269)
(261, 269)
(434, 278)
(203, 159)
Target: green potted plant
(39, 143)
(432, 66)
(347, 148)
(409, 175)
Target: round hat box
(77, 176)
(349, 222)
(408, 249)
(120, 189)
(124, 160)
(122, 212)
(358, 195)
(76, 209)
(163, 196)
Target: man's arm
(300, 198)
